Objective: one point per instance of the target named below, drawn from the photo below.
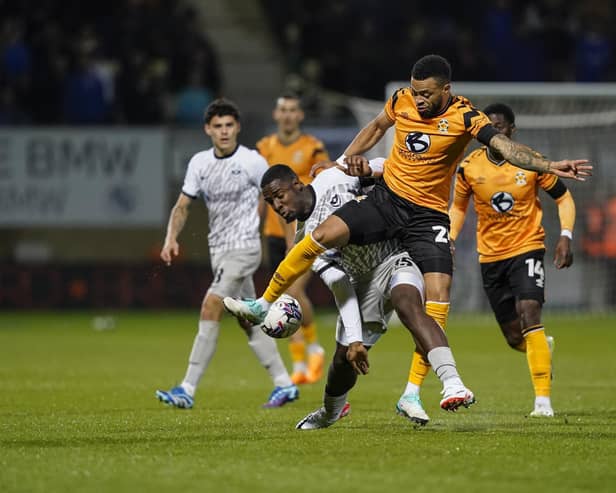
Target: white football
(283, 318)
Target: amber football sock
(420, 367)
(309, 331)
(539, 359)
(297, 261)
(298, 352)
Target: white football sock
(543, 401)
(202, 351)
(411, 388)
(188, 388)
(267, 353)
(441, 359)
(264, 304)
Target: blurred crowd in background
(160, 62)
(355, 45)
(150, 62)
(118, 61)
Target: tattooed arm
(524, 157)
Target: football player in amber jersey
(432, 129)
(299, 151)
(510, 242)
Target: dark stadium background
(85, 87)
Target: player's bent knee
(332, 233)
(512, 331)
(514, 341)
(212, 307)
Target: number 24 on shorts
(442, 235)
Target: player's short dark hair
(221, 107)
(278, 172)
(500, 109)
(432, 66)
(291, 95)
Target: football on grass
(283, 318)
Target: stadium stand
(101, 62)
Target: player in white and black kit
(368, 281)
(228, 177)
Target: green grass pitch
(78, 413)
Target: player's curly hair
(501, 109)
(278, 172)
(432, 66)
(221, 107)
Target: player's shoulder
(461, 105)
(266, 142)
(472, 163)
(311, 140)
(460, 101)
(202, 158)
(462, 112)
(401, 97)
(474, 156)
(401, 92)
(243, 151)
(250, 157)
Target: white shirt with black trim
(333, 188)
(230, 187)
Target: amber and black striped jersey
(426, 151)
(300, 155)
(506, 202)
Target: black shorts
(423, 232)
(517, 278)
(276, 251)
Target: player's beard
(428, 113)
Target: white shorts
(374, 295)
(233, 271)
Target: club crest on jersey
(520, 178)
(335, 201)
(417, 142)
(298, 156)
(236, 171)
(502, 202)
(443, 125)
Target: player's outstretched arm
(524, 157)
(177, 219)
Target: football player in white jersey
(227, 176)
(368, 282)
